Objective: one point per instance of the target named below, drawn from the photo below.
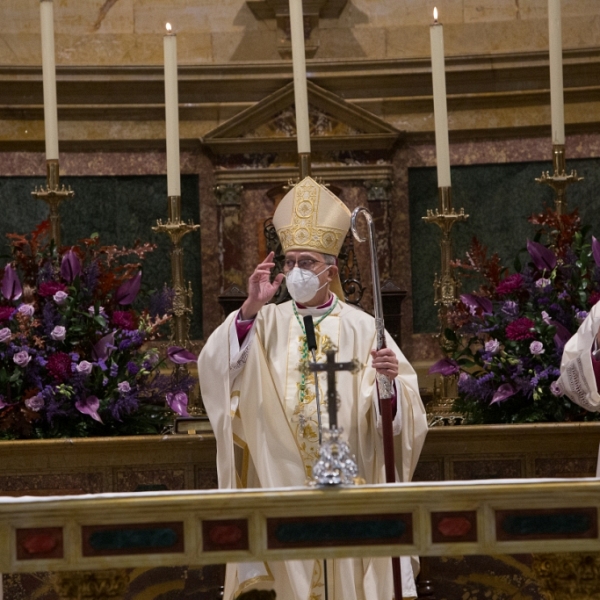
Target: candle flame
(169, 28)
(435, 14)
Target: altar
(97, 541)
(467, 484)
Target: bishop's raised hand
(260, 287)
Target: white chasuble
(264, 415)
(577, 379)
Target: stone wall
(128, 32)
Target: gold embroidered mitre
(310, 217)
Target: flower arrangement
(505, 341)
(74, 358)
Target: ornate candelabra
(446, 288)
(177, 229)
(53, 195)
(559, 180)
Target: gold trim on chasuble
(302, 416)
(304, 231)
(254, 580)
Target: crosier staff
(384, 383)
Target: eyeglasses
(304, 263)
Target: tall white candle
(49, 78)
(557, 101)
(299, 62)
(172, 113)
(440, 110)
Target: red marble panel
(39, 543)
(225, 534)
(457, 526)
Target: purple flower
(492, 346)
(11, 286)
(178, 403)
(90, 407)
(58, 333)
(512, 283)
(124, 387)
(103, 347)
(50, 288)
(128, 290)
(581, 315)
(150, 359)
(445, 366)
(70, 266)
(536, 348)
(60, 297)
(84, 367)
(5, 334)
(596, 251)
(59, 366)
(35, 403)
(510, 308)
(546, 317)
(506, 390)
(543, 282)
(132, 368)
(556, 389)
(26, 309)
(543, 258)
(477, 302)
(22, 358)
(124, 319)
(6, 312)
(180, 356)
(520, 329)
(562, 336)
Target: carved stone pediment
(270, 126)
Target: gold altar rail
(211, 527)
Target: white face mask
(303, 285)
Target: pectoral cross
(331, 367)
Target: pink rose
(58, 333)
(22, 358)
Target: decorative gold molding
(568, 575)
(91, 585)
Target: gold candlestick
(53, 195)
(445, 285)
(177, 229)
(559, 180)
(446, 288)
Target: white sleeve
(577, 379)
(238, 354)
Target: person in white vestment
(263, 409)
(580, 364)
